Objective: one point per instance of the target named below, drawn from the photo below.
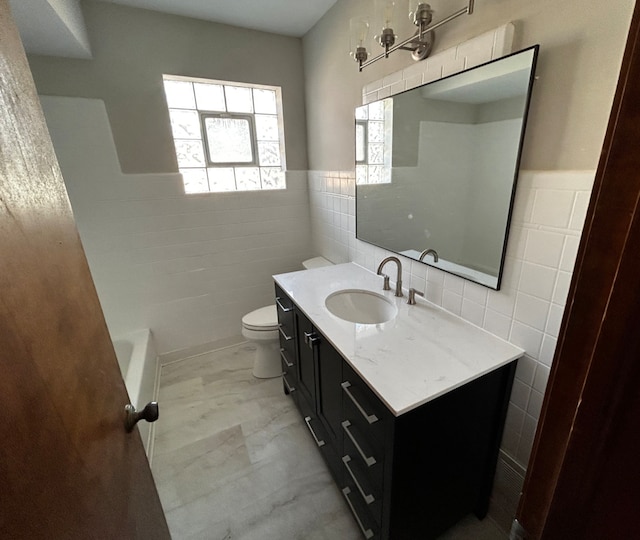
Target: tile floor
(233, 459)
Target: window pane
(179, 94)
(269, 154)
(267, 128)
(221, 179)
(185, 124)
(361, 174)
(362, 113)
(195, 180)
(229, 140)
(272, 178)
(375, 174)
(247, 178)
(210, 97)
(265, 101)
(376, 131)
(189, 153)
(376, 154)
(238, 99)
(360, 144)
(376, 111)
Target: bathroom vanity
(408, 413)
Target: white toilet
(261, 328)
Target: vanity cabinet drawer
(286, 322)
(368, 526)
(363, 408)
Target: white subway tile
(416, 69)
(453, 66)
(373, 86)
(569, 253)
(541, 378)
(526, 337)
(537, 280)
(520, 394)
(384, 92)
(434, 293)
(392, 78)
(526, 369)
(452, 302)
(535, 404)
(476, 293)
(531, 311)
(503, 40)
(502, 301)
(473, 312)
(554, 320)
(517, 242)
(397, 87)
(454, 284)
(580, 208)
(563, 281)
(553, 208)
(544, 248)
(547, 350)
(497, 324)
(414, 81)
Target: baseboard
(173, 356)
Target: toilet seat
(264, 319)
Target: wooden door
(583, 479)
(68, 469)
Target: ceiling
(56, 27)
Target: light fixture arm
(421, 33)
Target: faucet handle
(386, 286)
(412, 296)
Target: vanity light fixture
(420, 43)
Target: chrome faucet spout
(426, 252)
(399, 276)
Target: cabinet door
(306, 357)
(329, 391)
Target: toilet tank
(316, 262)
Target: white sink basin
(360, 306)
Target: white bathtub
(138, 360)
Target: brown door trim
(595, 371)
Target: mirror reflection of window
(374, 136)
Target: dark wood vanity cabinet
(404, 477)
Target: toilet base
(267, 361)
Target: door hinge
(518, 532)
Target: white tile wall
(187, 267)
(549, 213)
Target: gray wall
(132, 48)
(581, 50)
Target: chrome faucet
(386, 278)
(426, 252)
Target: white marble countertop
(417, 356)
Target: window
(227, 136)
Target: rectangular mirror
(436, 167)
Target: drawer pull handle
(368, 533)
(367, 498)
(371, 418)
(286, 383)
(311, 338)
(307, 420)
(285, 336)
(369, 460)
(284, 358)
(282, 308)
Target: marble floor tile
(233, 459)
